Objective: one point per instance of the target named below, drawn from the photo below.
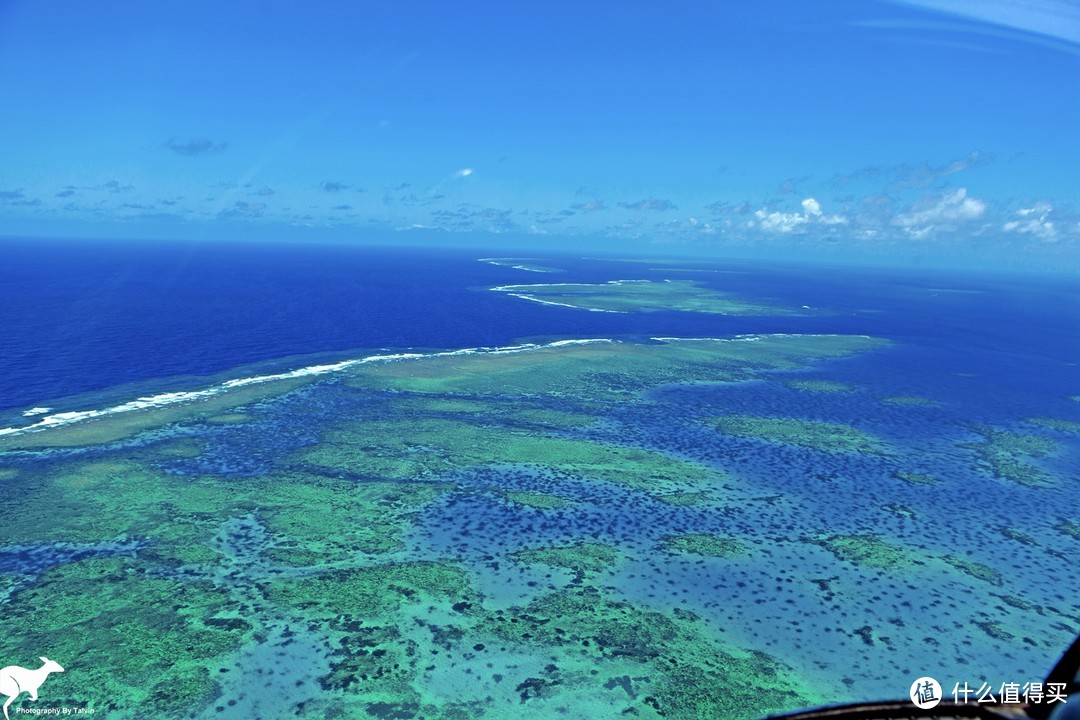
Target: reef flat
(817, 385)
(590, 528)
(815, 434)
(583, 373)
(630, 296)
(1008, 455)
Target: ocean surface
(85, 317)
(988, 358)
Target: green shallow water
(492, 535)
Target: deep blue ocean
(89, 322)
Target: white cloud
(942, 212)
(778, 221)
(1041, 209)
(464, 172)
(1033, 222)
(789, 222)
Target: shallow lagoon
(632, 296)
(676, 528)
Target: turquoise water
(893, 509)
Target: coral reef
(1065, 426)
(1018, 535)
(910, 401)
(977, 570)
(321, 573)
(682, 499)
(1002, 454)
(430, 447)
(1069, 528)
(916, 478)
(138, 640)
(580, 558)
(644, 296)
(584, 374)
(819, 386)
(704, 544)
(814, 434)
(540, 501)
(684, 672)
(866, 550)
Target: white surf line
(172, 398)
(506, 262)
(511, 291)
(760, 336)
(564, 343)
(812, 335)
(511, 288)
(559, 304)
(735, 338)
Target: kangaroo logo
(15, 680)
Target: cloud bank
(1033, 221)
(940, 213)
(781, 222)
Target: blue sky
(941, 129)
